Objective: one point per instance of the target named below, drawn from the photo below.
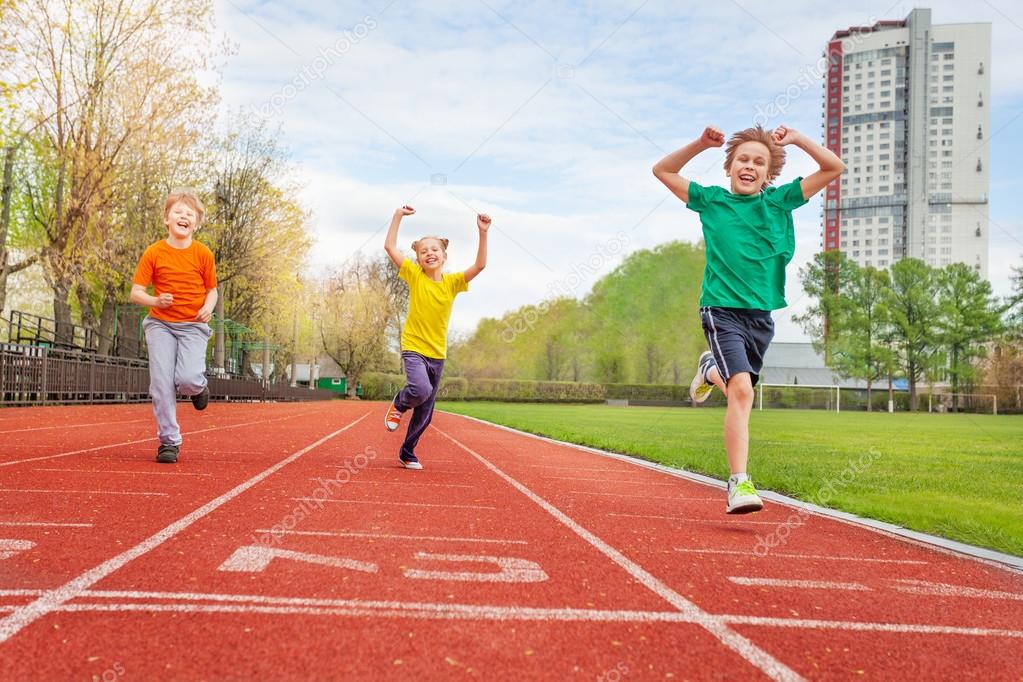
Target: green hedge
(382, 386)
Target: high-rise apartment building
(906, 106)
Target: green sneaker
(700, 388)
(743, 498)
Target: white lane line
(338, 607)
(55, 598)
(431, 609)
(798, 584)
(946, 590)
(45, 525)
(749, 554)
(79, 492)
(989, 557)
(868, 627)
(741, 522)
(404, 483)
(142, 472)
(730, 638)
(71, 426)
(647, 497)
(604, 480)
(396, 504)
(388, 536)
(620, 470)
(146, 440)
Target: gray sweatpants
(177, 364)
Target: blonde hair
(758, 134)
(187, 197)
(443, 244)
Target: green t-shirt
(749, 241)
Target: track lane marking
(713, 624)
(646, 497)
(388, 536)
(139, 471)
(146, 440)
(798, 584)
(71, 426)
(404, 483)
(394, 504)
(45, 525)
(747, 555)
(80, 492)
(252, 603)
(733, 522)
(52, 599)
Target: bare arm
(206, 311)
(139, 296)
(667, 169)
(483, 223)
(830, 165)
(391, 242)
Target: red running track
(288, 544)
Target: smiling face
(181, 220)
(430, 254)
(749, 170)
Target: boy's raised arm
(830, 165)
(391, 241)
(667, 169)
(483, 223)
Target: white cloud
(560, 156)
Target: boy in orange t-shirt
(184, 279)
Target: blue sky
(550, 115)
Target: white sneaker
(700, 388)
(743, 498)
(410, 463)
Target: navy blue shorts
(738, 338)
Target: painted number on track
(9, 548)
(257, 558)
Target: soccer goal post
(801, 396)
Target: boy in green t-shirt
(749, 238)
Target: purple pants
(422, 376)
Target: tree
(968, 316)
(107, 73)
(859, 348)
(353, 316)
(914, 315)
(822, 280)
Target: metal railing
(37, 375)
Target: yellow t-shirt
(429, 309)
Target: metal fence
(37, 375)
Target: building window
(980, 69)
(979, 166)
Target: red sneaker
(392, 420)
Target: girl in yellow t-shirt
(424, 338)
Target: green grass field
(957, 476)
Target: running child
(424, 338)
(184, 280)
(749, 238)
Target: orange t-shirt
(185, 273)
